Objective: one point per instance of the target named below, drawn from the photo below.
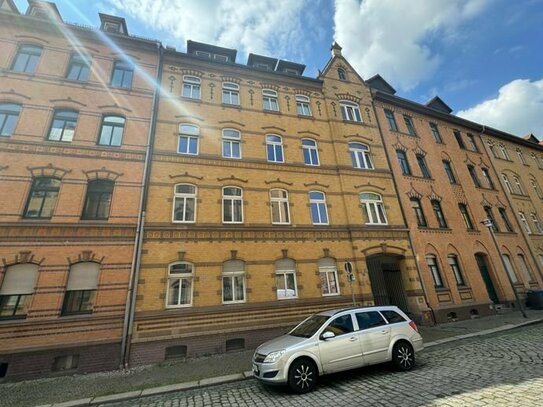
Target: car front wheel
(302, 376)
(403, 356)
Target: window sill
(271, 111)
(231, 105)
(305, 116)
(463, 287)
(352, 121)
(189, 99)
(90, 220)
(120, 88)
(59, 141)
(30, 219)
(442, 289)
(75, 313)
(13, 318)
(76, 81)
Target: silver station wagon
(337, 340)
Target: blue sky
(482, 57)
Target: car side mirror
(328, 335)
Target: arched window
(373, 209)
(509, 268)
(350, 111)
(505, 154)
(184, 203)
(319, 211)
(63, 125)
(16, 290)
(9, 113)
(526, 271)
(27, 59)
(416, 205)
(230, 93)
(274, 148)
(42, 198)
(111, 132)
(302, 105)
(285, 279)
(455, 267)
(189, 136)
(233, 281)
(269, 100)
(279, 206)
(98, 199)
(231, 143)
(536, 188)
(360, 155)
(311, 153)
(536, 223)
(232, 205)
(519, 185)
(507, 183)
(433, 266)
(328, 276)
(180, 278)
(191, 87)
(524, 222)
(341, 74)
(81, 288)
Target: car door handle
(386, 331)
(352, 338)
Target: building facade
(74, 124)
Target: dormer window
(202, 54)
(113, 24)
(291, 71)
(38, 12)
(112, 27)
(262, 66)
(220, 58)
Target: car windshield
(308, 328)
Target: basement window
(175, 352)
(68, 362)
(3, 369)
(235, 344)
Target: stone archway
(386, 280)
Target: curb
(214, 381)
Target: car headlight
(274, 356)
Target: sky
(484, 58)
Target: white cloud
(269, 27)
(518, 108)
(391, 37)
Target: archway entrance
(386, 280)
(484, 269)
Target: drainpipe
(419, 272)
(130, 307)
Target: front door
(343, 351)
(483, 268)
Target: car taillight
(414, 326)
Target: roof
(377, 82)
(193, 46)
(255, 59)
(437, 103)
(282, 65)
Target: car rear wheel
(403, 356)
(302, 376)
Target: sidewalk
(96, 388)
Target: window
(79, 68)
(232, 205)
(202, 54)
(184, 203)
(279, 206)
(459, 139)
(341, 74)
(431, 260)
(504, 152)
(269, 100)
(525, 269)
(449, 171)
(465, 215)
(27, 59)
(311, 154)
(16, 290)
(371, 319)
(319, 211)
(111, 133)
(220, 58)
(535, 186)
(435, 133)
(419, 214)
(473, 175)
(42, 198)
(274, 148)
(404, 164)
(436, 206)
(180, 277)
(123, 73)
(521, 157)
(230, 93)
(536, 223)
(350, 111)
(340, 326)
(472, 143)
(63, 126)
(9, 113)
(285, 279)
(409, 125)
(302, 105)
(98, 199)
(391, 120)
(67, 362)
(519, 185)
(233, 281)
(490, 216)
(505, 219)
(231, 143)
(191, 87)
(328, 276)
(188, 139)
(455, 267)
(509, 268)
(486, 176)
(507, 183)
(81, 288)
(360, 155)
(423, 166)
(524, 222)
(373, 209)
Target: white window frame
(360, 156)
(320, 203)
(524, 222)
(371, 208)
(509, 269)
(231, 275)
(270, 100)
(507, 183)
(327, 271)
(279, 202)
(303, 107)
(189, 137)
(350, 111)
(203, 54)
(230, 94)
(310, 148)
(519, 185)
(184, 196)
(232, 199)
(535, 187)
(282, 274)
(231, 141)
(521, 157)
(277, 146)
(536, 223)
(193, 84)
(504, 152)
(189, 276)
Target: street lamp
(490, 225)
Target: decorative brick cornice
(232, 178)
(434, 197)
(85, 256)
(232, 79)
(186, 175)
(277, 181)
(48, 171)
(12, 93)
(102, 173)
(115, 106)
(413, 193)
(348, 96)
(22, 257)
(68, 100)
(316, 183)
